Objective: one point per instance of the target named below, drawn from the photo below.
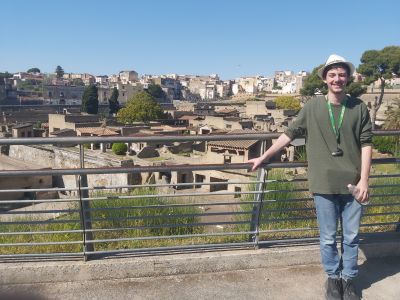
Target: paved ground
(379, 279)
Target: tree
(59, 71)
(33, 70)
(140, 108)
(314, 84)
(77, 82)
(5, 75)
(113, 103)
(355, 89)
(287, 102)
(90, 100)
(156, 91)
(393, 119)
(379, 65)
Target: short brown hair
(333, 66)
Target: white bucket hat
(336, 59)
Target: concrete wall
(59, 158)
(232, 176)
(24, 182)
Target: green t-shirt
(328, 174)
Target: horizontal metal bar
(126, 139)
(43, 255)
(111, 197)
(171, 237)
(40, 222)
(386, 132)
(28, 212)
(378, 224)
(219, 193)
(175, 248)
(39, 190)
(289, 200)
(288, 229)
(378, 186)
(266, 220)
(175, 168)
(172, 205)
(95, 188)
(382, 214)
(286, 191)
(41, 244)
(384, 175)
(383, 204)
(168, 226)
(283, 210)
(175, 138)
(172, 216)
(383, 195)
(40, 232)
(40, 201)
(303, 239)
(142, 169)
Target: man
(338, 142)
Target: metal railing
(174, 208)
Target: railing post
(257, 207)
(85, 207)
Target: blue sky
(229, 37)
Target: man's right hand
(257, 162)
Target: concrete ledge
(206, 262)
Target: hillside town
(49, 105)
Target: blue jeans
(331, 209)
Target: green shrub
(387, 144)
(119, 148)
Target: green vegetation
(119, 148)
(90, 100)
(156, 91)
(113, 103)
(28, 85)
(387, 144)
(392, 121)
(59, 72)
(77, 82)
(379, 64)
(5, 75)
(282, 214)
(287, 102)
(138, 216)
(33, 70)
(140, 108)
(300, 153)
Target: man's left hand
(363, 195)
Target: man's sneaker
(333, 289)
(349, 292)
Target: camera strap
(332, 118)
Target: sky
(231, 38)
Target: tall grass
(284, 207)
(282, 214)
(382, 204)
(128, 216)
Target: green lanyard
(336, 131)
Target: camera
(338, 152)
